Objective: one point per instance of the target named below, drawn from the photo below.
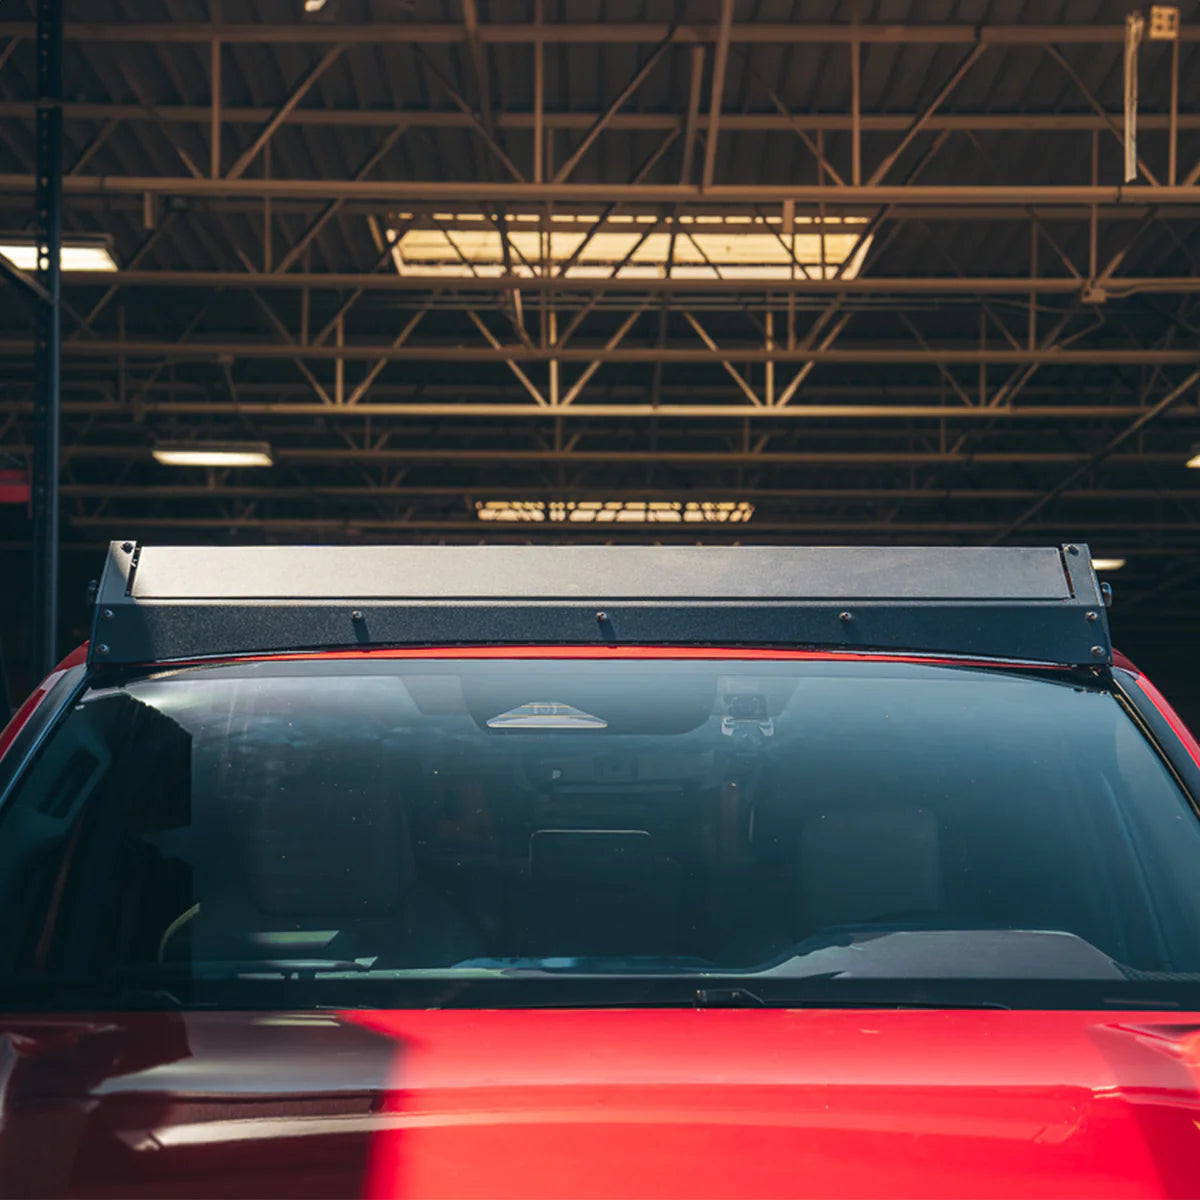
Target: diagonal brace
(284, 111)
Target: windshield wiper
(235, 968)
(734, 997)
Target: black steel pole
(48, 339)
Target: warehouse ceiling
(707, 270)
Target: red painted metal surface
(675, 1103)
(716, 653)
(21, 716)
(9, 733)
(14, 486)
(1172, 718)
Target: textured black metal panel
(1036, 604)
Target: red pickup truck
(599, 872)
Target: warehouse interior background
(702, 271)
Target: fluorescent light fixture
(617, 512)
(1108, 564)
(213, 454)
(313, 5)
(1194, 461)
(78, 254)
(729, 246)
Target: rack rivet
(107, 614)
(602, 617)
(102, 649)
(127, 547)
(845, 616)
(1093, 616)
(1072, 549)
(356, 615)
(1097, 651)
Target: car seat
(308, 854)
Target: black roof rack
(169, 603)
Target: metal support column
(47, 352)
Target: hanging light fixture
(213, 454)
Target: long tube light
(213, 454)
(604, 512)
(1108, 564)
(77, 254)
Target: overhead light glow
(75, 255)
(731, 246)
(1194, 461)
(313, 5)
(608, 512)
(213, 454)
(1108, 564)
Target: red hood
(660, 1103)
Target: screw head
(1072, 549)
(127, 547)
(102, 649)
(845, 616)
(107, 614)
(1092, 616)
(1097, 651)
(602, 617)
(356, 615)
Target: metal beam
(1100, 389)
(478, 61)
(368, 380)
(485, 128)
(603, 119)
(507, 455)
(582, 120)
(332, 208)
(872, 285)
(97, 205)
(922, 119)
(691, 120)
(589, 33)
(614, 491)
(215, 97)
(717, 92)
(47, 341)
(573, 532)
(203, 351)
(586, 374)
(728, 367)
(503, 356)
(284, 110)
(444, 191)
(798, 127)
(635, 411)
(539, 102)
(824, 343)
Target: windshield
(402, 831)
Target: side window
(83, 877)
(37, 830)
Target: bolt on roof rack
(159, 604)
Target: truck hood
(601, 1103)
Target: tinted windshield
(358, 827)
